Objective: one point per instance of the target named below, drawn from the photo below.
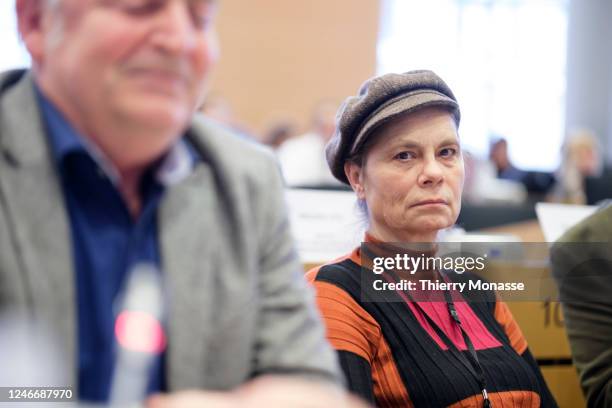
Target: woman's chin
(429, 230)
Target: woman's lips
(429, 202)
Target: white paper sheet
(556, 219)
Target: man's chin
(158, 117)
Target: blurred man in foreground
(103, 167)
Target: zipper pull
(486, 402)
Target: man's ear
(354, 173)
(29, 20)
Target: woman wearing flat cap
(397, 146)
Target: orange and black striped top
(393, 357)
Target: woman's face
(412, 177)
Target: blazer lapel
(41, 230)
(186, 238)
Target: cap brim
(404, 104)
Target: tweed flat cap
(381, 99)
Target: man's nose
(175, 32)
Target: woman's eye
(448, 152)
(405, 156)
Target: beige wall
(280, 57)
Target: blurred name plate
(326, 224)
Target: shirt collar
(175, 166)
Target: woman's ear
(354, 174)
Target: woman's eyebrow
(412, 144)
(409, 145)
(449, 141)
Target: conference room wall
(589, 70)
(279, 58)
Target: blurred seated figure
(483, 187)
(582, 267)
(302, 158)
(278, 133)
(580, 158)
(535, 182)
(498, 154)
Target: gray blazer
(239, 305)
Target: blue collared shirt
(106, 242)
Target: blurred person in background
(580, 158)
(278, 133)
(302, 158)
(581, 263)
(397, 146)
(482, 186)
(498, 154)
(103, 165)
